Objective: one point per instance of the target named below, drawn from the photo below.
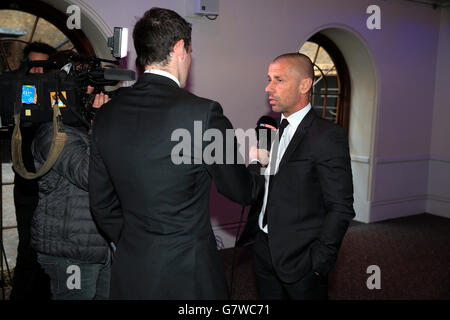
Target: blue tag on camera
(29, 95)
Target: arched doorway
(330, 96)
(352, 58)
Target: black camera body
(64, 93)
(34, 95)
(65, 82)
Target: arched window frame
(343, 103)
(55, 17)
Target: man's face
(36, 56)
(283, 88)
(186, 64)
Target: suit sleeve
(104, 201)
(335, 177)
(235, 181)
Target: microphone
(266, 128)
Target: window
(331, 87)
(18, 28)
(23, 21)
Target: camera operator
(29, 281)
(69, 246)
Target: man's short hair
(305, 66)
(39, 47)
(156, 33)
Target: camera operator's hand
(100, 99)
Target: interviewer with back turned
(155, 211)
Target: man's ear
(178, 48)
(305, 85)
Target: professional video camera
(64, 83)
(60, 94)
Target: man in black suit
(308, 197)
(150, 197)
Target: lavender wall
(397, 116)
(439, 164)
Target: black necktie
(284, 123)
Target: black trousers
(270, 286)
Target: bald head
(290, 80)
(300, 64)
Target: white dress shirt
(294, 120)
(164, 74)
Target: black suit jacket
(310, 203)
(157, 212)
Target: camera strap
(58, 142)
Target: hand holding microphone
(266, 128)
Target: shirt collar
(297, 117)
(164, 74)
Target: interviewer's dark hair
(39, 47)
(156, 33)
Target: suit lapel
(298, 136)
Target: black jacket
(157, 212)
(62, 224)
(310, 203)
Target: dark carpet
(413, 254)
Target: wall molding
(360, 159)
(433, 197)
(411, 198)
(387, 202)
(401, 159)
(440, 158)
(412, 158)
(436, 205)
